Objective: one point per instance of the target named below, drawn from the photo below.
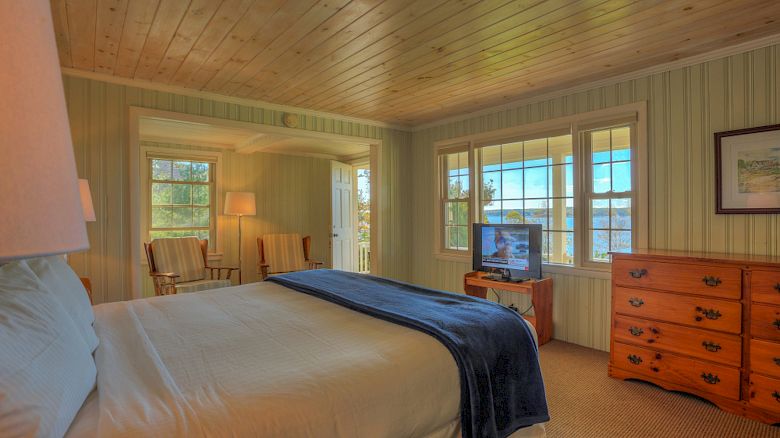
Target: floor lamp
(240, 204)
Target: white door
(342, 233)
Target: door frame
(134, 163)
(355, 163)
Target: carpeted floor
(585, 402)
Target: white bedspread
(262, 360)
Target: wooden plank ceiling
(399, 61)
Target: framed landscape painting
(747, 174)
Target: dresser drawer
(715, 281)
(704, 376)
(693, 311)
(765, 321)
(703, 344)
(765, 287)
(765, 357)
(765, 392)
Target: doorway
(239, 137)
(362, 179)
(351, 216)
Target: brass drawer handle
(777, 361)
(776, 395)
(710, 378)
(636, 302)
(636, 331)
(710, 313)
(634, 359)
(711, 346)
(638, 273)
(711, 281)
(776, 324)
(777, 287)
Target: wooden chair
(179, 265)
(279, 253)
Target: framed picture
(747, 174)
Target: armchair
(180, 265)
(280, 253)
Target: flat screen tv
(515, 250)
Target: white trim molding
(660, 68)
(191, 92)
(609, 80)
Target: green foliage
(200, 195)
(161, 194)
(514, 217)
(182, 194)
(364, 206)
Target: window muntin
(610, 191)
(456, 199)
(532, 181)
(182, 200)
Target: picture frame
(747, 170)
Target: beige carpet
(585, 402)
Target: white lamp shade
(240, 204)
(39, 194)
(86, 201)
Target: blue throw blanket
(500, 380)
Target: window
(578, 178)
(181, 198)
(609, 191)
(455, 195)
(532, 182)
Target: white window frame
(577, 124)
(440, 188)
(215, 252)
(587, 188)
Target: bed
(264, 360)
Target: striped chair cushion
(199, 285)
(181, 256)
(284, 252)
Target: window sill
(453, 257)
(604, 273)
(578, 271)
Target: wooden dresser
(702, 323)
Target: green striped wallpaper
(685, 107)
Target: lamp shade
(86, 201)
(39, 193)
(240, 204)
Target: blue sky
(538, 181)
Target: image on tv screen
(505, 248)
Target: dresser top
(737, 259)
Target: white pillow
(57, 275)
(46, 369)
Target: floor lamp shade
(86, 200)
(39, 193)
(240, 204)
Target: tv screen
(512, 247)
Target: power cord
(526, 310)
(498, 297)
(511, 306)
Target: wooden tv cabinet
(703, 323)
(477, 284)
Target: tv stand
(477, 284)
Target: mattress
(262, 360)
